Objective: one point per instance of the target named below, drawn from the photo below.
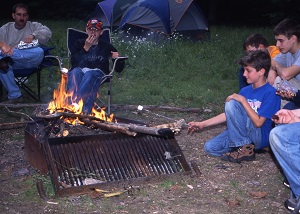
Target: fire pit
(79, 164)
(108, 152)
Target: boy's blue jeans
(285, 144)
(26, 58)
(84, 85)
(240, 131)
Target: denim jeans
(285, 144)
(26, 58)
(240, 131)
(84, 85)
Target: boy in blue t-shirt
(248, 114)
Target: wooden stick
(6, 126)
(109, 126)
(129, 129)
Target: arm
(285, 72)
(41, 32)
(257, 120)
(193, 126)
(272, 76)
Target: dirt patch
(218, 187)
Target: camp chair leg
(29, 92)
(109, 96)
(21, 83)
(38, 77)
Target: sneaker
(244, 153)
(292, 204)
(13, 101)
(286, 183)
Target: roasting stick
(141, 108)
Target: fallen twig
(6, 126)
(18, 113)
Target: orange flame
(60, 104)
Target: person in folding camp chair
(19, 48)
(89, 64)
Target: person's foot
(243, 153)
(13, 101)
(286, 183)
(292, 204)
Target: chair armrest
(51, 60)
(46, 49)
(119, 64)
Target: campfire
(67, 116)
(60, 104)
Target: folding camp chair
(73, 35)
(22, 76)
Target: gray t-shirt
(289, 59)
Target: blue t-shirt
(265, 103)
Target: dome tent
(157, 19)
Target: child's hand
(193, 127)
(236, 97)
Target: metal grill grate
(108, 159)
